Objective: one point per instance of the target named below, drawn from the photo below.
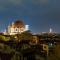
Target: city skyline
(40, 15)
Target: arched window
(16, 30)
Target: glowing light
(50, 30)
(26, 27)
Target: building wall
(12, 30)
(16, 29)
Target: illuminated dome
(16, 27)
(19, 24)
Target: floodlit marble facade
(16, 27)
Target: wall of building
(11, 30)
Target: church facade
(16, 27)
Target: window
(16, 30)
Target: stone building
(16, 27)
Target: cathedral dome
(19, 24)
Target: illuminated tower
(26, 27)
(50, 31)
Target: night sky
(39, 14)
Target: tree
(4, 38)
(55, 53)
(25, 36)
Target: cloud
(16, 2)
(43, 2)
(11, 5)
(11, 1)
(26, 7)
(5, 3)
